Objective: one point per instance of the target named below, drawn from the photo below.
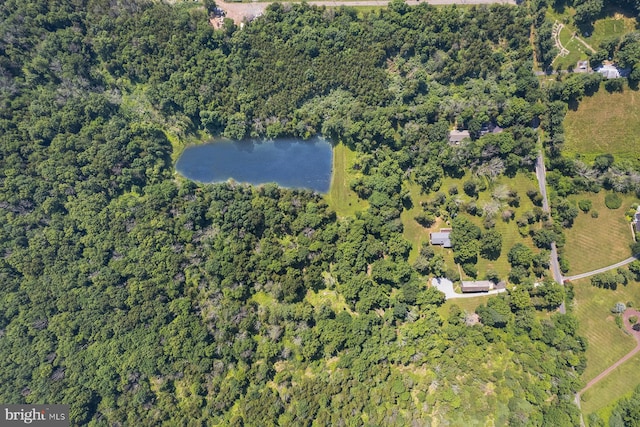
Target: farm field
(597, 242)
(604, 123)
(340, 197)
(607, 342)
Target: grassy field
(605, 123)
(597, 242)
(607, 342)
(615, 26)
(341, 198)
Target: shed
(476, 286)
(441, 238)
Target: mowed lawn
(607, 342)
(597, 242)
(605, 123)
(577, 51)
(341, 198)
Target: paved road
(603, 269)
(635, 334)
(241, 11)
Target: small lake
(290, 163)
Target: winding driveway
(636, 334)
(603, 269)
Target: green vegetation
(604, 123)
(611, 27)
(607, 342)
(611, 226)
(341, 198)
(577, 50)
(139, 298)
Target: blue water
(290, 163)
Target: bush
(612, 201)
(425, 219)
(594, 214)
(633, 320)
(585, 205)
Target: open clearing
(341, 198)
(597, 242)
(607, 342)
(615, 26)
(604, 123)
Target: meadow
(607, 342)
(597, 242)
(341, 198)
(604, 123)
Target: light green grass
(607, 342)
(335, 299)
(607, 28)
(605, 123)
(577, 51)
(620, 383)
(340, 197)
(466, 304)
(412, 231)
(597, 242)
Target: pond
(290, 163)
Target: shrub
(612, 201)
(594, 214)
(425, 219)
(619, 321)
(633, 320)
(585, 205)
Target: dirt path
(635, 334)
(248, 11)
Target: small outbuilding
(441, 238)
(476, 286)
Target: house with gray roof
(441, 238)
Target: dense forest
(141, 298)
